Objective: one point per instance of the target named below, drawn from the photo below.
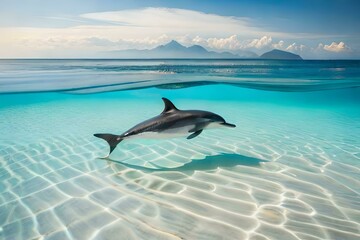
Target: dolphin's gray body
(171, 122)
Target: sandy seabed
(263, 180)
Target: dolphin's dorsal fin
(169, 106)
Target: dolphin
(172, 122)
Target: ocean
(289, 170)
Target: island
(277, 54)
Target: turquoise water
(289, 170)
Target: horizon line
(149, 59)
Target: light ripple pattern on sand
(246, 183)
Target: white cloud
(335, 47)
(293, 47)
(137, 28)
(143, 43)
(196, 40)
(174, 21)
(296, 47)
(334, 50)
(143, 29)
(233, 42)
(260, 43)
(279, 45)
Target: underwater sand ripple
(287, 181)
(57, 189)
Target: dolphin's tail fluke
(112, 140)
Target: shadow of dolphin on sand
(208, 163)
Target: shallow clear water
(289, 170)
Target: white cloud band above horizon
(147, 28)
(173, 21)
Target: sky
(314, 29)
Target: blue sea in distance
(289, 170)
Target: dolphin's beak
(228, 124)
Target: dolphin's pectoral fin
(194, 134)
(198, 126)
(197, 129)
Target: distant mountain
(280, 55)
(174, 49)
(171, 50)
(244, 54)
